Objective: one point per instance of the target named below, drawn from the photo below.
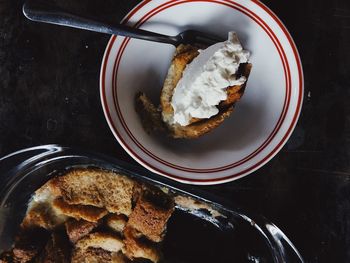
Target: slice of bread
(135, 248)
(184, 55)
(91, 255)
(86, 212)
(97, 247)
(42, 215)
(151, 214)
(97, 188)
(98, 255)
(106, 241)
(24, 254)
(40, 212)
(77, 229)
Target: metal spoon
(43, 12)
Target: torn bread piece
(97, 188)
(86, 212)
(151, 214)
(77, 229)
(97, 247)
(98, 255)
(106, 241)
(42, 215)
(136, 248)
(91, 255)
(40, 212)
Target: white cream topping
(204, 81)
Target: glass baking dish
(209, 231)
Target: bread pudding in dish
(92, 215)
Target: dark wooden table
(49, 93)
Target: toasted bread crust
(134, 248)
(234, 93)
(96, 247)
(97, 188)
(199, 128)
(91, 255)
(149, 218)
(77, 229)
(86, 212)
(42, 215)
(106, 241)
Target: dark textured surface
(49, 93)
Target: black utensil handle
(43, 12)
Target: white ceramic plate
(262, 121)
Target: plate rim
(121, 48)
(239, 174)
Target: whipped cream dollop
(204, 80)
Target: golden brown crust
(96, 247)
(91, 255)
(40, 213)
(24, 254)
(43, 216)
(135, 248)
(149, 218)
(77, 229)
(97, 188)
(234, 93)
(104, 240)
(86, 212)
